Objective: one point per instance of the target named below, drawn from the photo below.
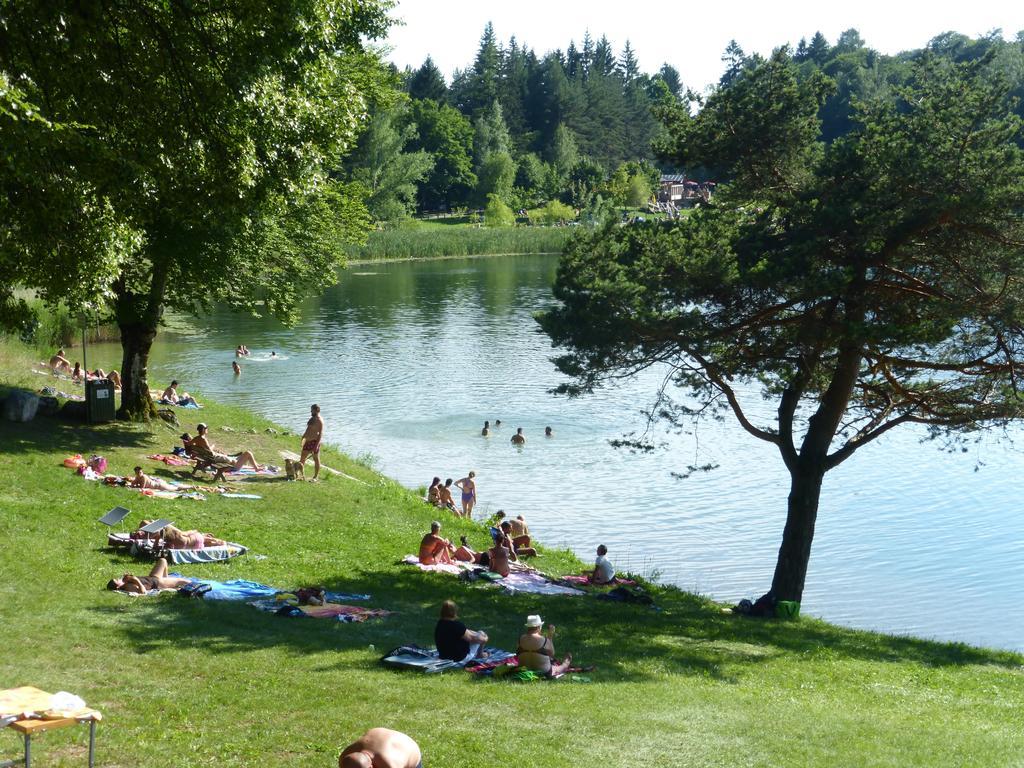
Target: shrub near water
(421, 242)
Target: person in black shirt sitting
(454, 641)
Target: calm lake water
(408, 359)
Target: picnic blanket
(535, 583)
(426, 659)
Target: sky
(689, 36)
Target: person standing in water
(487, 429)
(236, 368)
(311, 439)
(468, 487)
(518, 438)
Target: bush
(555, 212)
(497, 214)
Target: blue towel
(236, 589)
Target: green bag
(787, 609)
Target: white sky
(690, 36)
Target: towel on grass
(572, 579)
(437, 567)
(534, 583)
(427, 660)
(207, 554)
(236, 589)
(170, 460)
(267, 470)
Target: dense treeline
(582, 126)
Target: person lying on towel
(175, 538)
(140, 585)
(434, 549)
(152, 483)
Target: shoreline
(401, 259)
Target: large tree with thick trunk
(191, 143)
(861, 285)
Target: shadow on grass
(48, 434)
(626, 642)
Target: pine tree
(427, 82)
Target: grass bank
(447, 238)
(189, 683)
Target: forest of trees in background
(581, 127)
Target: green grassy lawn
(190, 683)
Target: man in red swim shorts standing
(311, 439)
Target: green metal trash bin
(99, 400)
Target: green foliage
(873, 282)
(555, 212)
(427, 82)
(497, 176)
(448, 137)
(497, 214)
(182, 131)
(383, 167)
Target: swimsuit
(469, 495)
(311, 446)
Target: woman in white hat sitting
(536, 651)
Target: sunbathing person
(434, 549)
(381, 748)
(140, 585)
(499, 556)
(76, 374)
(114, 378)
(175, 538)
(151, 483)
(465, 553)
(201, 447)
(453, 639)
(59, 364)
(171, 395)
(536, 652)
(520, 535)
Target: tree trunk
(136, 404)
(795, 551)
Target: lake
(407, 360)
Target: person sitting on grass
(519, 536)
(499, 556)
(146, 482)
(536, 651)
(453, 640)
(444, 495)
(171, 395)
(434, 493)
(201, 447)
(59, 364)
(434, 549)
(526, 551)
(140, 585)
(381, 748)
(604, 571)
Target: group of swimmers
(518, 438)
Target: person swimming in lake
(548, 432)
(236, 368)
(518, 438)
(486, 430)
(468, 487)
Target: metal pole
(92, 742)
